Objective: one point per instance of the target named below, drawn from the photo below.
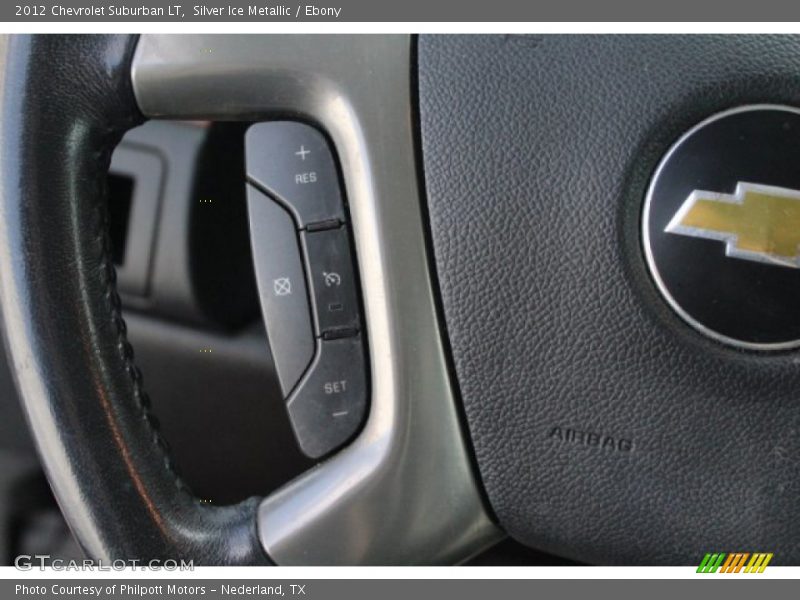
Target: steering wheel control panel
(307, 281)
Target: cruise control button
(330, 273)
(329, 404)
(293, 162)
(281, 287)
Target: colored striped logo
(735, 562)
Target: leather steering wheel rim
(67, 100)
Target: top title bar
(464, 11)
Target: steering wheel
(529, 376)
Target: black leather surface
(66, 101)
(537, 152)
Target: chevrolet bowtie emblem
(725, 253)
(757, 222)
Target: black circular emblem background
(739, 301)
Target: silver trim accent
(404, 490)
(646, 235)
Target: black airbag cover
(605, 428)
